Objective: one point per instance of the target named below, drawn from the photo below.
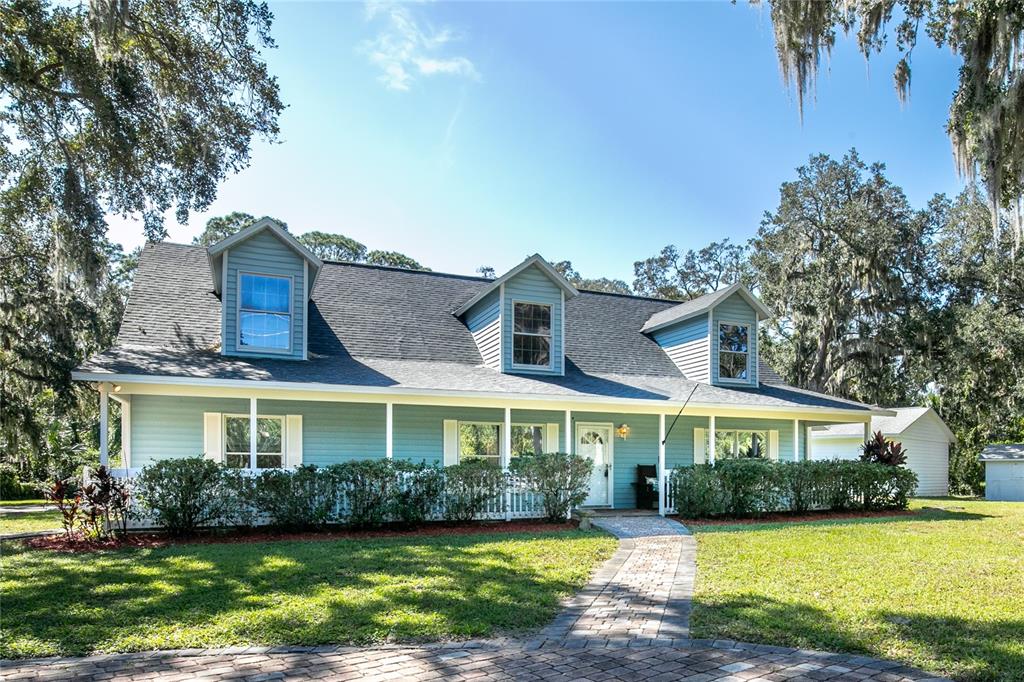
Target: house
(921, 431)
(1004, 472)
(255, 353)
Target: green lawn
(943, 591)
(26, 522)
(21, 503)
(314, 592)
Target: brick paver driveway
(630, 623)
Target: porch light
(117, 388)
(623, 431)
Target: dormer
(713, 338)
(264, 278)
(518, 319)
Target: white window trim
(550, 336)
(732, 380)
(501, 428)
(224, 440)
(239, 310)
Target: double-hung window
(482, 440)
(264, 312)
(531, 335)
(733, 351)
(269, 442)
(741, 444)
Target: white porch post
(568, 432)
(711, 439)
(661, 464)
(796, 440)
(506, 456)
(252, 433)
(867, 430)
(104, 419)
(389, 430)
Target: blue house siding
(484, 322)
(734, 309)
(335, 432)
(533, 286)
(265, 254)
(171, 427)
(686, 344)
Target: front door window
(595, 441)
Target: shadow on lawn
(279, 593)
(926, 515)
(970, 650)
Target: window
(531, 335)
(741, 444)
(732, 351)
(483, 440)
(269, 442)
(264, 312)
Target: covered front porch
(256, 428)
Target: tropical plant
(880, 450)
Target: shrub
(61, 494)
(13, 489)
(881, 451)
(751, 487)
(563, 480)
(299, 499)
(241, 492)
(183, 494)
(469, 486)
(697, 491)
(417, 491)
(367, 486)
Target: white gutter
(667, 405)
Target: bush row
(184, 495)
(749, 487)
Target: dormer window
(264, 312)
(531, 337)
(733, 354)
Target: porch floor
(603, 512)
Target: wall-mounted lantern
(623, 431)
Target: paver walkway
(630, 623)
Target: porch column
(389, 430)
(506, 456)
(104, 419)
(568, 432)
(711, 439)
(867, 430)
(252, 433)
(796, 440)
(661, 464)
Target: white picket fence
(516, 499)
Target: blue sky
(471, 134)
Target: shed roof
(1007, 452)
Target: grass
(27, 522)
(942, 590)
(313, 592)
(22, 503)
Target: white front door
(595, 441)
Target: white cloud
(405, 48)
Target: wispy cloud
(447, 158)
(406, 48)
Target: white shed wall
(1004, 481)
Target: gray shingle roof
(378, 327)
(1010, 452)
(905, 416)
(696, 306)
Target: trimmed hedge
(184, 495)
(751, 487)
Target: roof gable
(534, 260)
(215, 253)
(701, 305)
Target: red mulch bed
(148, 540)
(790, 517)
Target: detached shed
(1004, 472)
(920, 430)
